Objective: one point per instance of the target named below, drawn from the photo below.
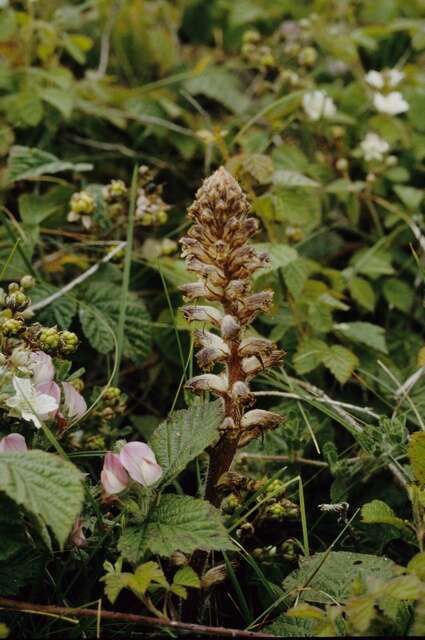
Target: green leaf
(30, 162)
(60, 312)
(341, 362)
(299, 207)
(45, 485)
(295, 274)
(144, 575)
(184, 436)
(417, 565)
(62, 100)
(398, 294)
(187, 577)
(99, 314)
(259, 166)
(220, 84)
(18, 557)
(373, 263)
(378, 512)
(403, 588)
(35, 208)
(409, 196)
(280, 255)
(371, 335)
(335, 576)
(362, 292)
(310, 353)
(284, 627)
(178, 523)
(287, 178)
(416, 453)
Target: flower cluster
(135, 461)
(82, 207)
(151, 210)
(317, 105)
(217, 250)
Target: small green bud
(49, 339)
(111, 394)
(251, 36)
(391, 161)
(17, 301)
(276, 487)
(230, 503)
(147, 219)
(11, 326)
(168, 247)
(161, 217)
(342, 164)
(337, 131)
(27, 282)
(68, 342)
(307, 56)
(83, 203)
(275, 511)
(13, 287)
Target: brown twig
(29, 607)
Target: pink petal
(113, 477)
(50, 389)
(77, 536)
(140, 462)
(13, 442)
(42, 367)
(74, 404)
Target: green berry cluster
(113, 404)
(14, 304)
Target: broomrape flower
(12, 443)
(317, 104)
(29, 403)
(373, 147)
(392, 103)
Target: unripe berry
(111, 394)
(275, 511)
(337, 131)
(49, 339)
(13, 287)
(277, 487)
(68, 342)
(161, 217)
(11, 326)
(342, 164)
(307, 56)
(27, 282)
(83, 203)
(230, 503)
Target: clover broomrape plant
(217, 250)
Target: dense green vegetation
(115, 445)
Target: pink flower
(12, 443)
(140, 462)
(74, 404)
(77, 536)
(114, 477)
(42, 367)
(53, 390)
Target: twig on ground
(81, 278)
(29, 607)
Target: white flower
(392, 103)
(317, 105)
(375, 79)
(30, 404)
(373, 147)
(41, 366)
(394, 77)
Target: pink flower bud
(13, 442)
(74, 404)
(113, 477)
(42, 367)
(77, 536)
(140, 462)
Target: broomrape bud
(260, 418)
(211, 340)
(252, 346)
(230, 327)
(202, 314)
(209, 382)
(241, 393)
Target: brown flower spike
(217, 250)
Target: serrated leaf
(35, 208)
(220, 84)
(298, 206)
(373, 263)
(295, 274)
(360, 611)
(259, 166)
(378, 512)
(178, 523)
(62, 100)
(371, 335)
(416, 453)
(60, 312)
(30, 162)
(144, 575)
(341, 362)
(309, 355)
(99, 313)
(187, 577)
(334, 578)
(398, 294)
(286, 178)
(184, 436)
(284, 627)
(45, 485)
(362, 292)
(409, 196)
(403, 588)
